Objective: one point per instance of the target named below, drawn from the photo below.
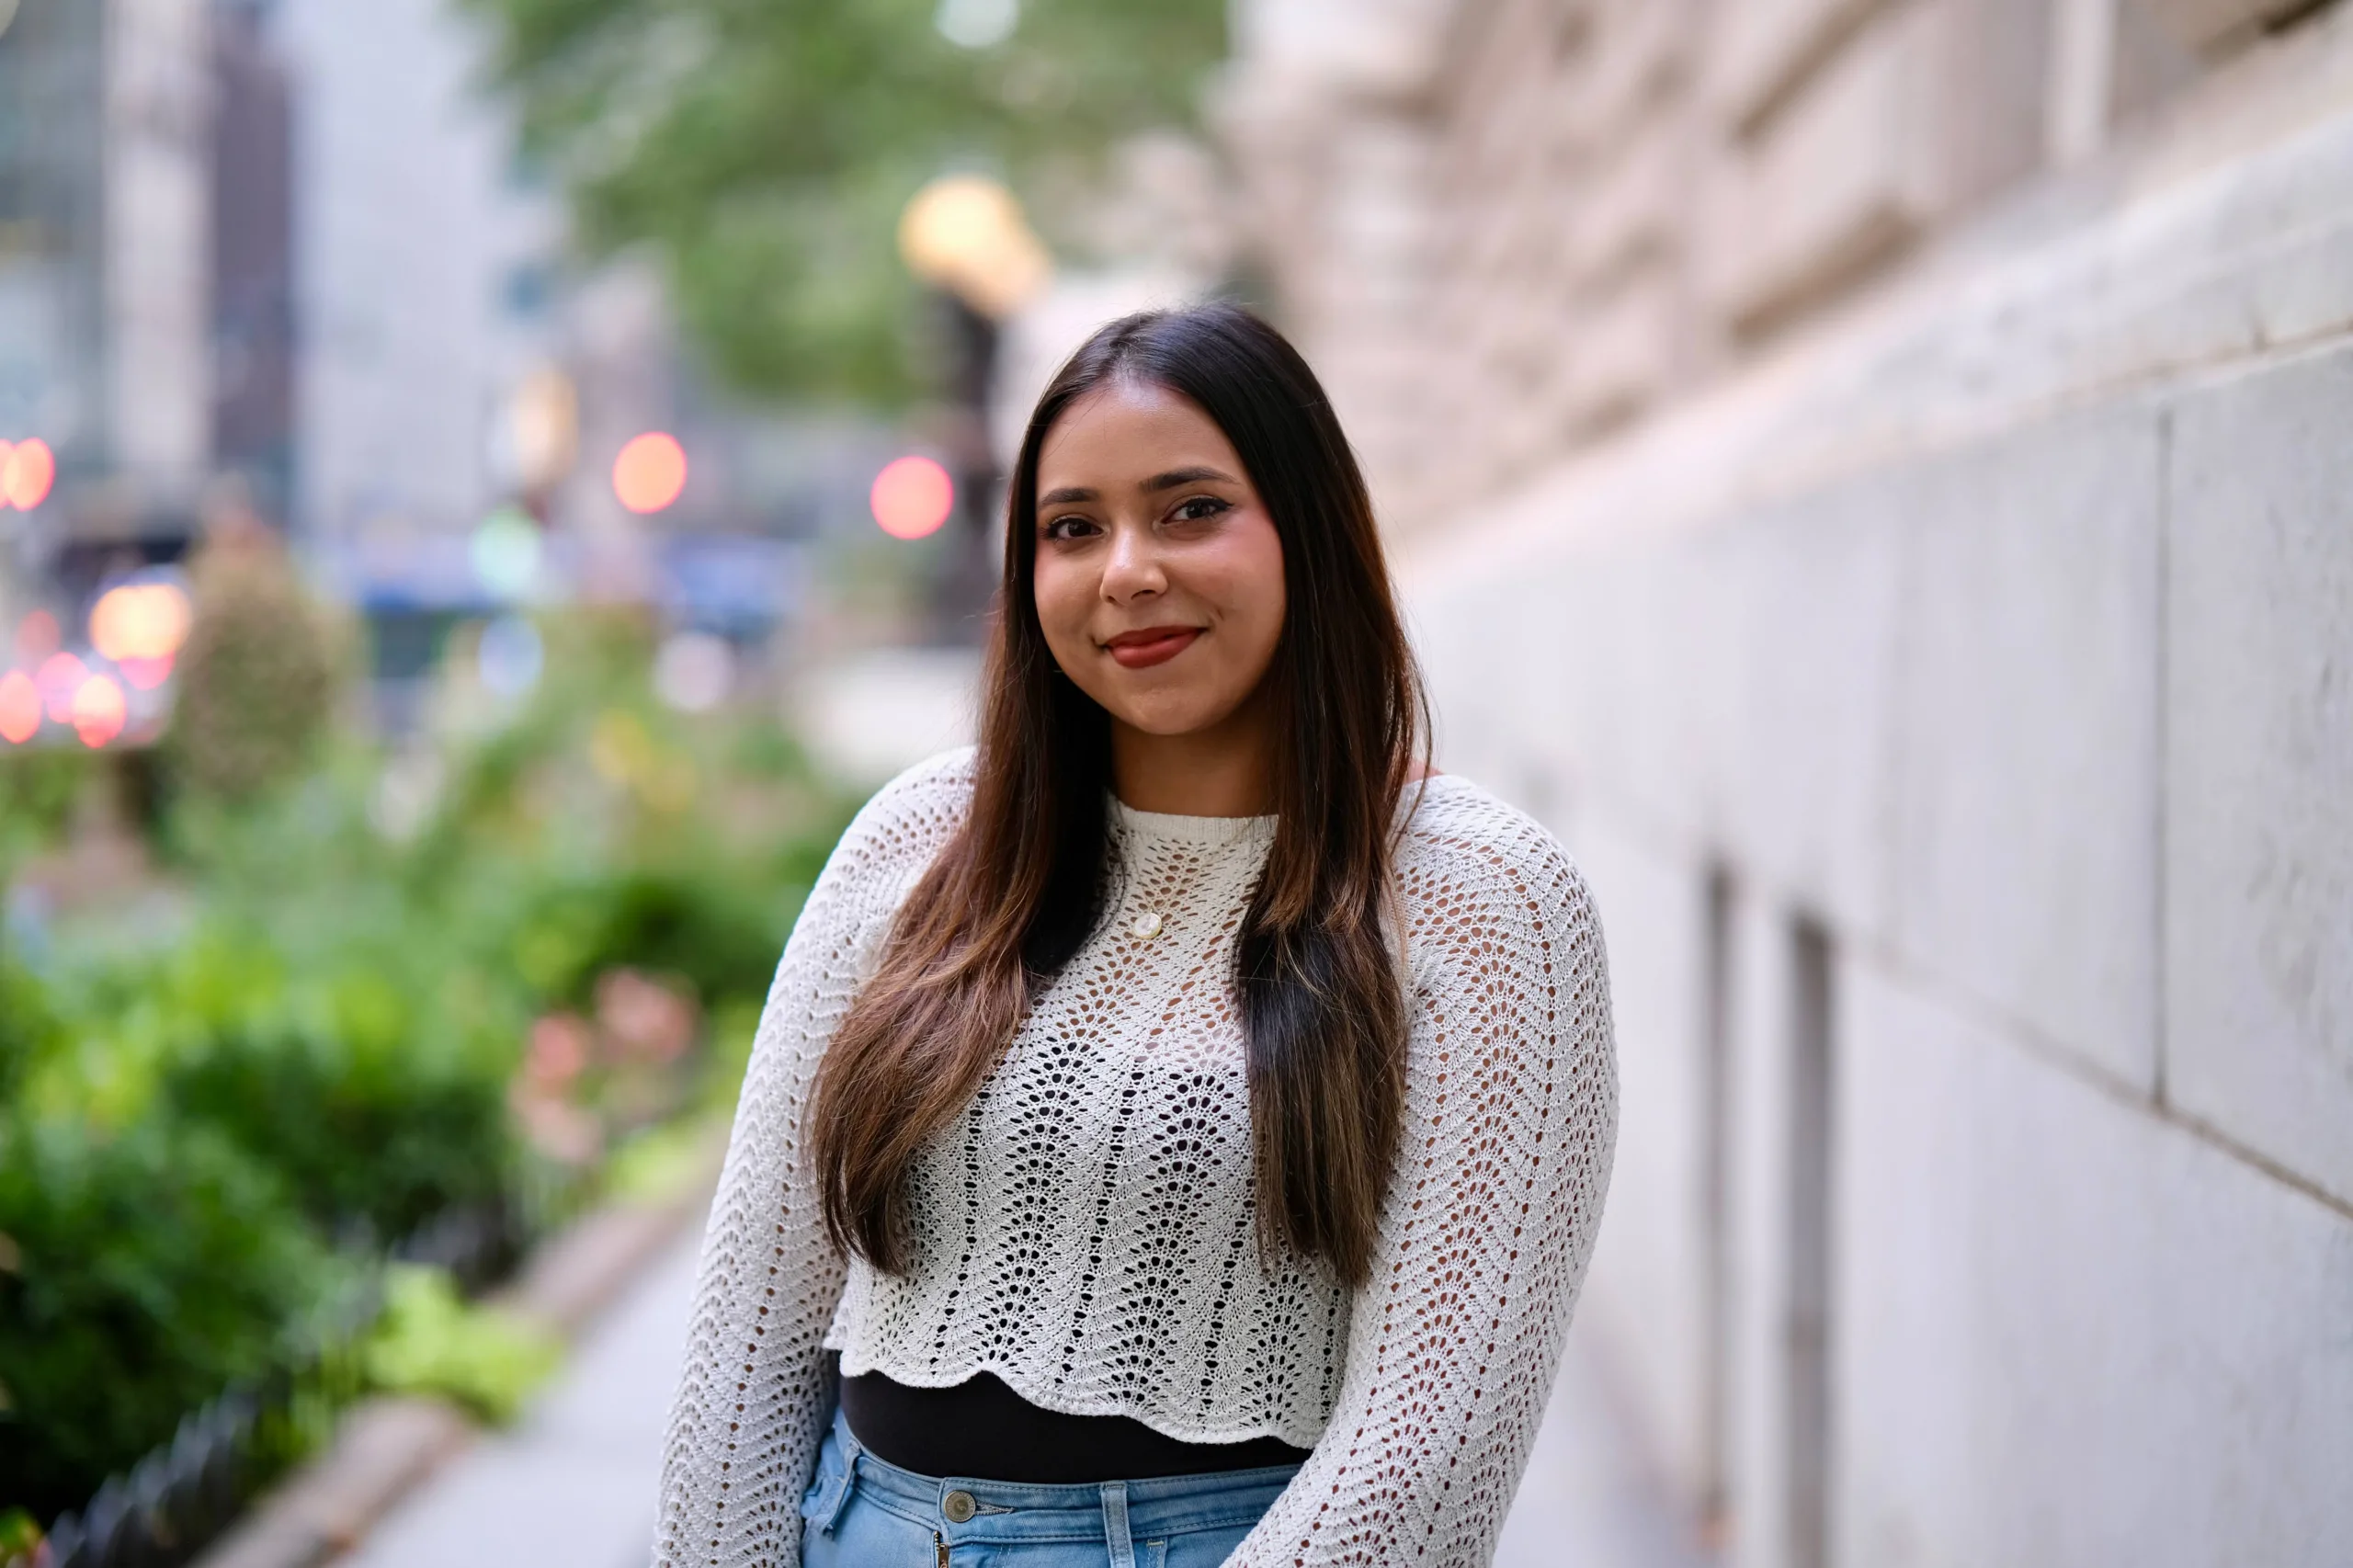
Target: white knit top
(1085, 1230)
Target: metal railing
(184, 1494)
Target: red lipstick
(1153, 645)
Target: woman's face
(1159, 577)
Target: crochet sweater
(1085, 1230)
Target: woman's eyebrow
(1177, 476)
(1076, 495)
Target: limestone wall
(1877, 479)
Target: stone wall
(1875, 478)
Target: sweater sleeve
(1491, 1214)
(748, 1417)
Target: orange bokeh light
(27, 471)
(651, 472)
(100, 710)
(59, 677)
(139, 620)
(912, 496)
(19, 707)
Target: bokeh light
(543, 428)
(142, 622)
(651, 472)
(19, 707)
(27, 471)
(145, 675)
(967, 233)
(36, 637)
(98, 710)
(693, 671)
(977, 24)
(506, 552)
(912, 496)
(59, 677)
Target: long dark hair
(1020, 887)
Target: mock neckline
(1169, 827)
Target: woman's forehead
(1131, 428)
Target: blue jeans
(861, 1513)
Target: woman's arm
(749, 1415)
(1511, 1120)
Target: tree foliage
(763, 148)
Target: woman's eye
(1200, 509)
(1068, 527)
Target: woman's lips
(1156, 646)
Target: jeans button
(959, 1506)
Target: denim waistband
(1006, 1511)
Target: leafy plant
(337, 1034)
(145, 1270)
(38, 788)
(28, 1026)
(430, 1340)
(388, 1131)
(766, 150)
(257, 675)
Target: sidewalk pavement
(572, 1485)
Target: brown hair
(1021, 885)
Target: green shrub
(329, 1035)
(145, 1271)
(372, 1131)
(430, 1340)
(38, 788)
(718, 935)
(27, 1028)
(256, 677)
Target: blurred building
(1874, 475)
(106, 288)
(254, 379)
(427, 293)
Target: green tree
(763, 148)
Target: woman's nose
(1133, 568)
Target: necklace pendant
(1145, 927)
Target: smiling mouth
(1154, 645)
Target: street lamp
(966, 234)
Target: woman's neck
(1218, 772)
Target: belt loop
(830, 1509)
(1115, 1524)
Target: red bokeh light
(100, 710)
(145, 675)
(36, 637)
(27, 471)
(912, 496)
(19, 707)
(651, 472)
(59, 677)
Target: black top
(982, 1430)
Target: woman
(1185, 1116)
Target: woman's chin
(1171, 720)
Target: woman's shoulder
(912, 816)
(943, 778)
(1468, 857)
